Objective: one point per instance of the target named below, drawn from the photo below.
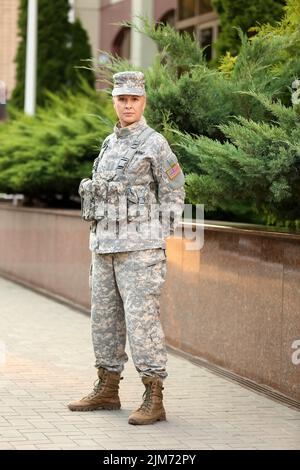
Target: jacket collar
(132, 129)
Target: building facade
(126, 42)
(8, 43)
(197, 17)
(102, 20)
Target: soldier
(135, 200)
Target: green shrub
(256, 168)
(228, 126)
(244, 15)
(44, 157)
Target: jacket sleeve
(170, 181)
(97, 160)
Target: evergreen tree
(244, 15)
(239, 158)
(197, 99)
(61, 46)
(257, 169)
(44, 157)
(79, 50)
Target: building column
(31, 58)
(143, 48)
(2, 106)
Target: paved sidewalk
(49, 361)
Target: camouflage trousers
(126, 288)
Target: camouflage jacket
(152, 179)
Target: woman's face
(129, 108)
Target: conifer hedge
(234, 129)
(45, 157)
(228, 125)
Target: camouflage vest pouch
(87, 200)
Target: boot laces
(96, 389)
(146, 405)
(147, 396)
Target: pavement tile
(49, 361)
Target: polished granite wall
(47, 249)
(235, 302)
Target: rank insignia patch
(173, 171)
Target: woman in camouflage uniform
(137, 194)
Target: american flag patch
(173, 171)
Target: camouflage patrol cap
(129, 83)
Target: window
(186, 9)
(168, 18)
(191, 31)
(190, 8)
(198, 16)
(207, 34)
(206, 40)
(204, 6)
(121, 44)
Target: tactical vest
(112, 194)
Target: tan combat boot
(152, 408)
(105, 395)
